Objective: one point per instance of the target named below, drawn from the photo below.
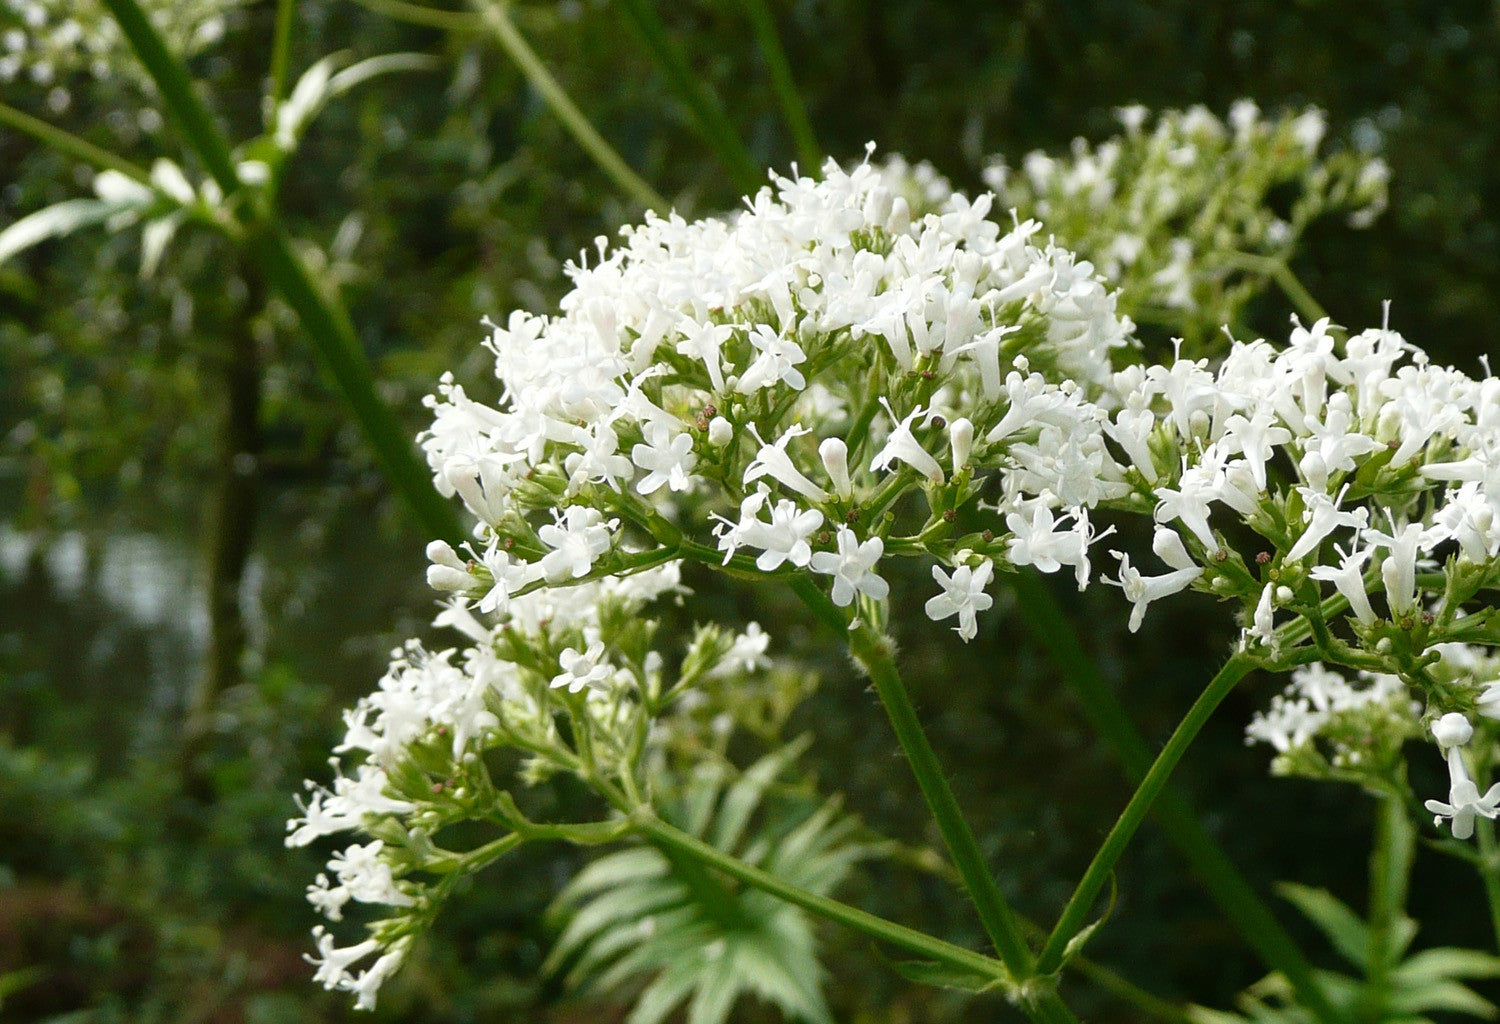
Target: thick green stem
(340, 354)
(669, 837)
(1098, 872)
(70, 144)
(177, 91)
(281, 49)
(323, 319)
(1228, 888)
(497, 18)
(782, 83)
(1390, 872)
(701, 103)
(1489, 871)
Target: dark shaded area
(142, 885)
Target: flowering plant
(834, 379)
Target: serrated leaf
(744, 796)
(58, 220)
(1346, 931)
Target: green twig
(918, 943)
(1239, 901)
(71, 145)
(323, 318)
(417, 14)
(171, 78)
(1097, 874)
(497, 18)
(281, 50)
(784, 85)
(1278, 271)
(712, 122)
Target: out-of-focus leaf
(58, 220)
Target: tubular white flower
(852, 568)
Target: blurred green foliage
(141, 883)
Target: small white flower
(578, 538)
(1452, 730)
(902, 445)
(667, 456)
(852, 568)
(773, 461)
(963, 595)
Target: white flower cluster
(580, 655)
(46, 41)
(794, 364)
(1169, 210)
(1365, 727)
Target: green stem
(691, 90)
(873, 652)
(666, 836)
(71, 145)
(416, 14)
(1489, 871)
(339, 352)
(1097, 874)
(784, 85)
(497, 17)
(1235, 896)
(1287, 281)
(177, 92)
(281, 49)
(323, 318)
(1390, 872)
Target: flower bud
(1452, 730)
(720, 432)
(961, 436)
(835, 456)
(440, 552)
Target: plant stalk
(709, 114)
(70, 144)
(784, 85)
(1235, 896)
(497, 18)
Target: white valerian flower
(776, 361)
(1349, 579)
(578, 538)
(835, 455)
(901, 445)
(667, 456)
(588, 668)
(1452, 730)
(963, 594)
(773, 461)
(1140, 590)
(852, 567)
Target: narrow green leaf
(1345, 930)
(745, 795)
(611, 870)
(925, 972)
(663, 995)
(1442, 995)
(1447, 962)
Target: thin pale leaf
(1447, 962)
(612, 870)
(663, 995)
(361, 72)
(745, 795)
(718, 987)
(1442, 995)
(56, 221)
(623, 906)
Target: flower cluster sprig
(570, 680)
(1176, 211)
